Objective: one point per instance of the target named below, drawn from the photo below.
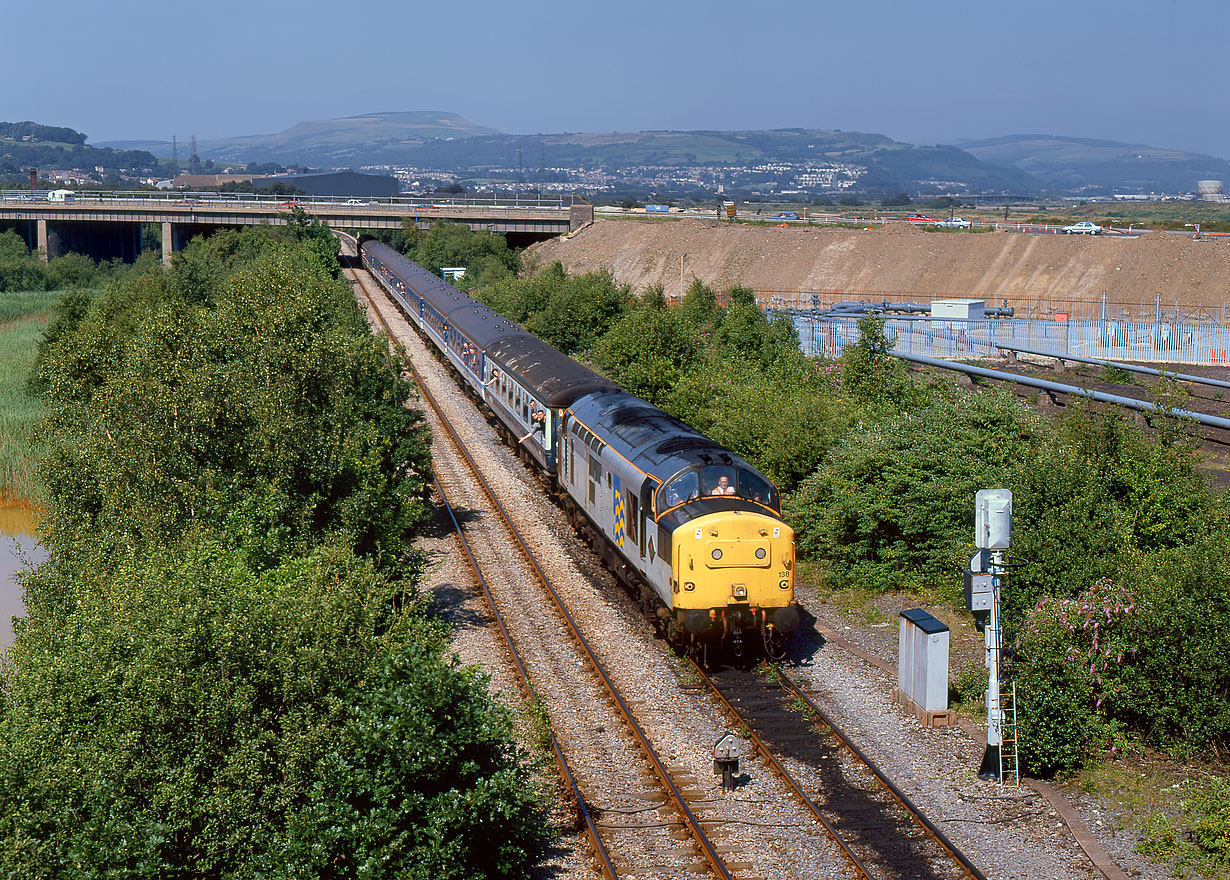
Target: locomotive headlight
(761, 553)
(717, 553)
(740, 591)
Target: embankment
(900, 261)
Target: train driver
(723, 486)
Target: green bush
(892, 502)
(282, 406)
(1066, 662)
(223, 670)
(1094, 491)
(187, 714)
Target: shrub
(1067, 658)
(1199, 837)
(892, 502)
(184, 713)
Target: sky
(917, 71)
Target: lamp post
(681, 259)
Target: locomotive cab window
(717, 479)
(756, 488)
(682, 488)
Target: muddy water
(18, 547)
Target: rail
(1059, 388)
(748, 728)
(679, 802)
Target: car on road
(785, 215)
(954, 223)
(1082, 228)
(919, 218)
(355, 202)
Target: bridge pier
(168, 241)
(42, 249)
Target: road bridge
(81, 222)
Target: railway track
(879, 835)
(629, 846)
(879, 830)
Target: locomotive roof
(653, 440)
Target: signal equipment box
(922, 667)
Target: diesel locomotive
(694, 530)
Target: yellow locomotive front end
(734, 580)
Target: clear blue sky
(923, 71)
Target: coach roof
(555, 378)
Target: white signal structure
(983, 582)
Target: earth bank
(1036, 274)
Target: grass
(1181, 820)
(22, 319)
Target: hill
(370, 139)
(25, 145)
(1099, 167)
(435, 139)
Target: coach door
(645, 521)
(595, 484)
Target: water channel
(18, 547)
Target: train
(693, 530)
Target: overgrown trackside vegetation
(21, 270)
(224, 670)
(879, 467)
(22, 319)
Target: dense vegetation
(23, 317)
(21, 270)
(224, 670)
(30, 144)
(879, 467)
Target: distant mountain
(347, 142)
(434, 139)
(1082, 164)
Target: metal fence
(1154, 308)
(1158, 341)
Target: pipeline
(1100, 396)
(1131, 368)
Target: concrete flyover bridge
(109, 224)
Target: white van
(62, 195)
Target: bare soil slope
(900, 261)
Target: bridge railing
(143, 198)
